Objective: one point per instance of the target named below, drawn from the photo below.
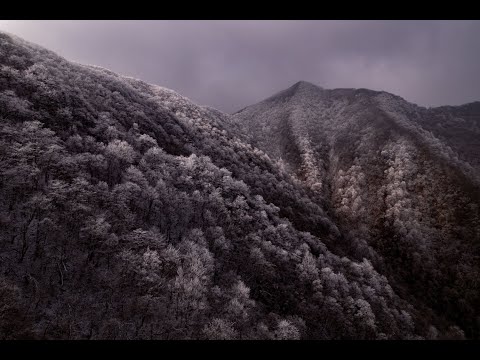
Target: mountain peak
(300, 87)
(304, 85)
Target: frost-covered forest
(129, 212)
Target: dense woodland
(129, 212)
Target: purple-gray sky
(231, 64)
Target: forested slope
(128, 212)
(400, 177)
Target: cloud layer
(231, 64)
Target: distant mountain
(402, 177)
(129, 212)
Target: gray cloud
(231, 64)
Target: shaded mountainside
(401, 177)
(129, 212)
(459, 128)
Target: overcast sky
(231, 64)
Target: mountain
(129, 212)
(403, 178)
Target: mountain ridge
(129, 212)
(341, 141)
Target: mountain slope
(394, 175)
(128, 212)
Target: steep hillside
(400, 177)
(459, 128)
(128, 212)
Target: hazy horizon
(232, 64)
